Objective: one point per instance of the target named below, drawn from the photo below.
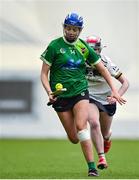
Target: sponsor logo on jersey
(71, 64)
(62, 50)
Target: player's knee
(94, 125)
(107, 134)
(81, 126)
(83, 135)
(73, 140)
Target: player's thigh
(93, 115)
(81, 114)
(105, 122)
(67, 120)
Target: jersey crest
(62, 50)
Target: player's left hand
(111, 100)
(119, 99)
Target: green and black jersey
(67, 64)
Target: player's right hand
(52, 98)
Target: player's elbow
(126, 82)
(42, 77)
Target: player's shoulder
(83, 41)
(85, 44)
(55, 41)
(107, 61)
(105, 58)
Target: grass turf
(59, 159)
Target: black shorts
(110, 109)
(65, 104)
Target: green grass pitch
(59, 159)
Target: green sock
(91, 165)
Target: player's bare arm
(105, 73)
(124, 84)
(45, 81)
(123, 88)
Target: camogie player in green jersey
(65, 59)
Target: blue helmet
(74, 20)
